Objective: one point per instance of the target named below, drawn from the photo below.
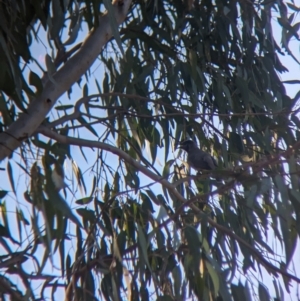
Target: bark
(64, 78)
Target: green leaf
(243, 88)
(35, 81)
(165, 298)
(4, 110)
(84, 201)
(113, 24)
(237, 292)
(11, 178)
(85, 90)
(291, 81)
(62, 255)
(192, 238)
(89, 284)
(68, 267)
(143, 244)
(3, 211)
(121, 241)
(50, 68)
(64, 108)
(153, 197)
(280, 183)
(166, 170)
(146, 205)
(224, 152)
(285, 23)
(236, 144)
(247, 292)
(75, 25)
(79, 177)
(263, 293)
(57, 21)
(214, 276)
(177, 276)
(293, 7)
(60, 204)
(155, 143)
(87, 215)
(87, 125)
(3, 193)
(4, 232)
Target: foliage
(141, 227)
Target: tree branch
(7, 288)
(63, 79)
(172, 190)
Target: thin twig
(172, 190)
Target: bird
(196, 158)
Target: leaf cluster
(143, 227)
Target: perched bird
(196, 158)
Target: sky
(293, 73)
(39, 50)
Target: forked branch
(172, 190)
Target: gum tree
(121, 84)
